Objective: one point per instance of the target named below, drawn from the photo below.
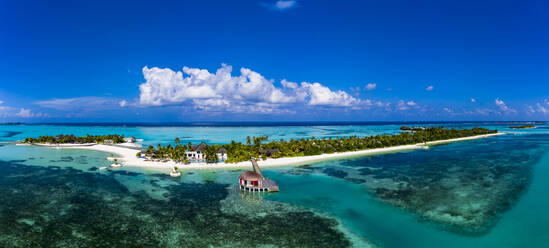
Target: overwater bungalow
(254, 180)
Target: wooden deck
(268, 186)
(264, 185)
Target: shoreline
(128, 158)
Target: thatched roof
(250, 176)
(198, 147)
(269, 152)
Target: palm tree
(210, 153)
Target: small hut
(254, 180)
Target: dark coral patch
(46, 207)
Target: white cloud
(221, 90)
(289, 85)
(281, 5)
(322, 95)
(503, 106)
(402, 105)
(1, 102)
(25, 113)
(429, 88)
(370, 86)
(4, 109)
(530, 110)
(123, 103)
(473, 100)
(164, 86)
(541, 109)
(355, 91)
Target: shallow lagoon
(503, 177)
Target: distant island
(12, 123)
(523, 127)
(71, 139)
(406, 128)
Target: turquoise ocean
(489, 192)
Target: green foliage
(71, 139)
(255, 146)
(210, 153)
(238, 152)
(523, 127)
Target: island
(272, 153)
(407, 128)
(523, 127)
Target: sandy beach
(128, 157)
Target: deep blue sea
(487, 192)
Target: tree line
(256, 146)
(71, 139)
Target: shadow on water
(65, 207)
(9, 134)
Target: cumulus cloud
(223, 91)
(27, 113)
(1, 102)
(473, 100)
(370, 86)
(322, 95)
(501, 104)
(429, 88)
(123, 103)
(402, 105)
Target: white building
(196, 153)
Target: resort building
(196, 153)
(130, 139)
(268, 152)
(254, 181)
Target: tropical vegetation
(71, 139)
(523, 127)
(258, 147)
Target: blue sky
(75, 61)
